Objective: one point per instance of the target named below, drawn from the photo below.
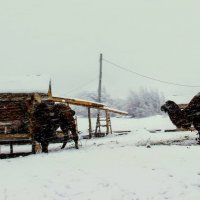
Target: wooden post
(33, 146)
(90, 124)
(30, 110)
(110, 124)
(98, 128)
(107, 123)
(11, 148)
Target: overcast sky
(63, 39)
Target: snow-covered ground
(116, 167)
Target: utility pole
(99, 100)
(100, 77)
(97, 130)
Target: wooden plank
(15, 136)
(14, 155)
(154, 130)
(171, 130)
(114, 110)
(180, 129)
(125, 131)
(15, 141)
(90, 104)
(77, 102)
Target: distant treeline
(138, 104)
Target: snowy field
(137, 166)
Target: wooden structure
(103, 122)
(15, 119)
(16, 122)
(92, 105)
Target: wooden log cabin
(16, 107)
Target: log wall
(13, 117)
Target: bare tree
(144, 103)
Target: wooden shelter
(17, 98)
(17, 107)
(92, 105)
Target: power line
(147, 77)
(82, 85)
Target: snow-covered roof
(24, 84)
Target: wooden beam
(180, 129)
(114, 110)
(108, 123)
(11, 148)
(15, 136)
(85, 103)
(77, 102)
